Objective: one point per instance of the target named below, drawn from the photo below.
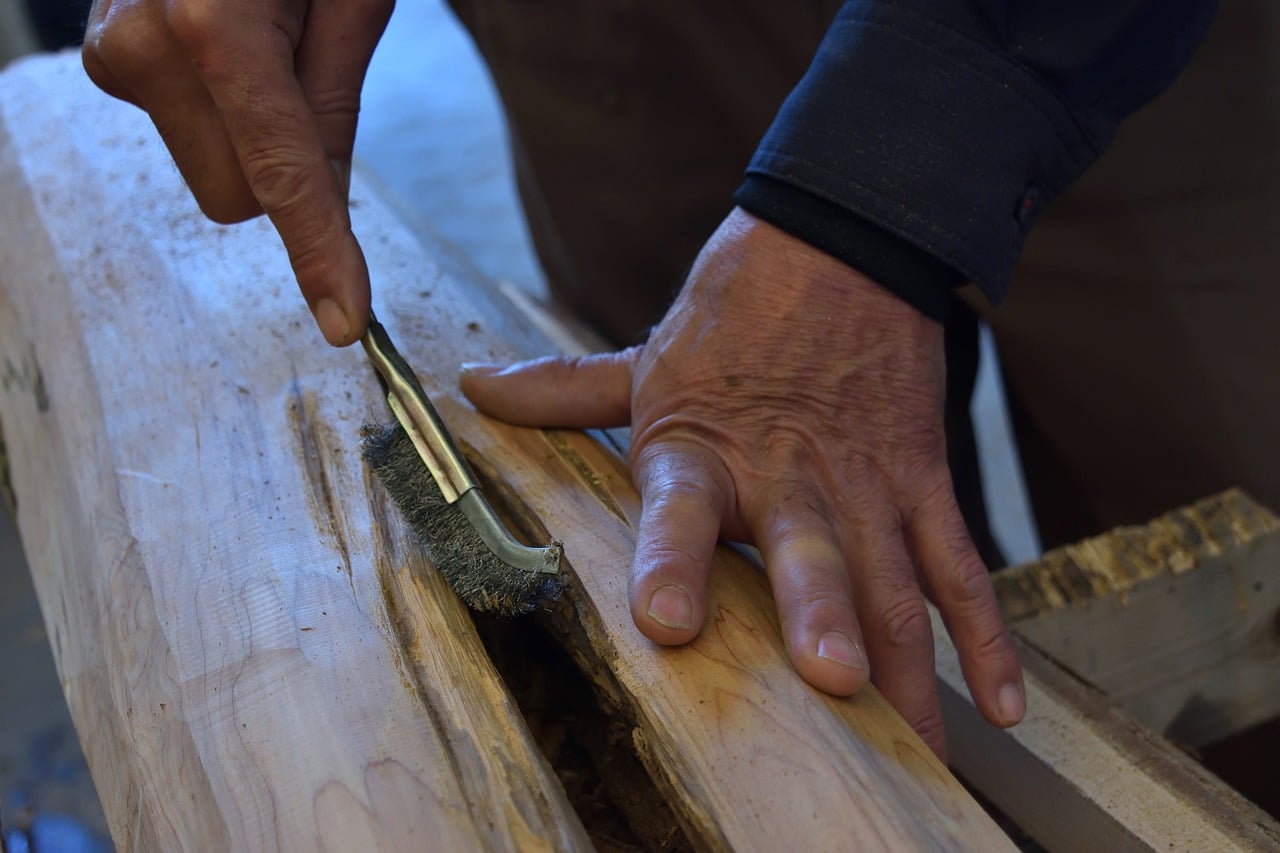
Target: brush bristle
(480, 579)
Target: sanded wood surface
(216, 566)
(1174, 620)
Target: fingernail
(1011, 703)
(835, 646)
(670, 605)
(480, 368)
(332, 321)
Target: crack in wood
(588, 475)
(8, 499)
(573, 625)
(25, 377)
(408, 640)
(312, 442)
(408, 583)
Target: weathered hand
(257, 101)
(790, 402)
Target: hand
(257, 101)
(788, 401)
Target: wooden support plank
(215, 564)
(1079, 774)
(1175, 620)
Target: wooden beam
(215, 564)
(208, 550)
(1174, 620)
(1079, 774)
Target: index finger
(248, 69)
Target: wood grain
(216, 566)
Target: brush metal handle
(409, 403)
(435, 445)
(411, 406)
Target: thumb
(557, 391)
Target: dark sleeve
(928, 135)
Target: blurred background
(432, 130)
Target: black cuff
(932, 135)
(911, 273)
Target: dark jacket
(928, 135)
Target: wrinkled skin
(790, 402)
(785, 400)
(257, 101)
